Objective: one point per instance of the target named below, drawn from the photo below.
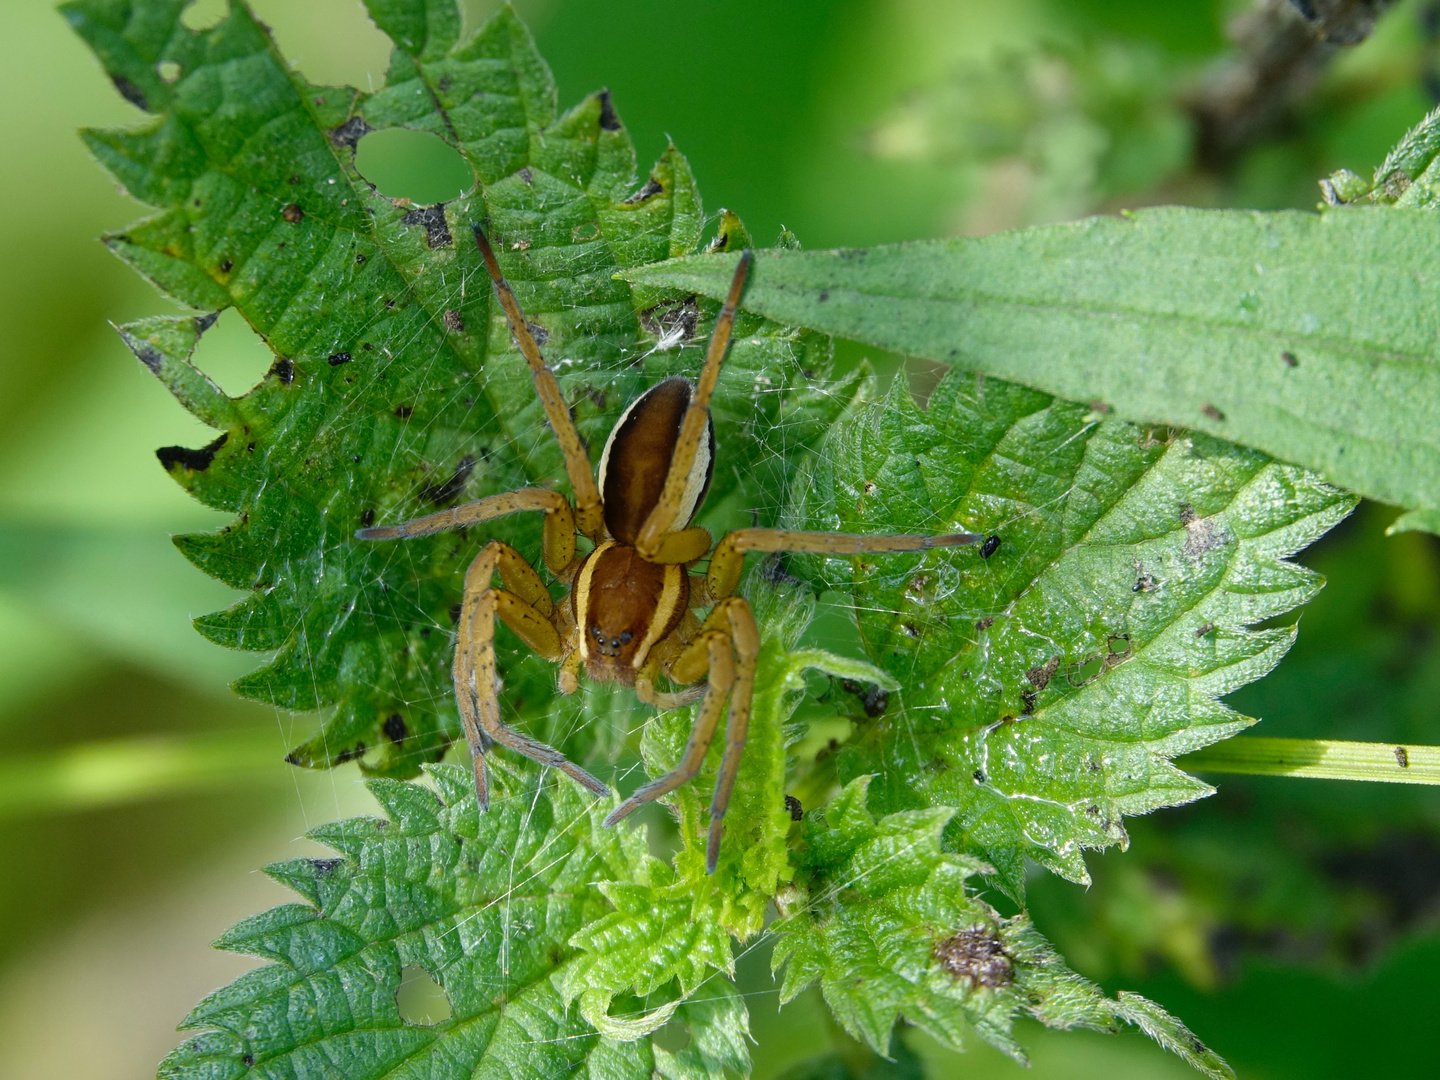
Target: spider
(629, 614)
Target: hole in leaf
(1081, 673)
(232, 354)
(420, 999)
(168, 70)
(414, 165)
(673, 1036)
(203, 14)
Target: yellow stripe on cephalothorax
(674, 596)
(582, 594)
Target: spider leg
(588, 509)
(735, 615)
(559, 534)
(524, 606)
(709, 654)
(729, 557)
(694, 425)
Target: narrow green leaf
(1301, 335)
(1323, 759)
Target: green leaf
(1045, 687)
(486, 904)
(396, 387)
(889, 928)
(1291, 333)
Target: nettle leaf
(396, 387)
(889, 927)
(1211, 319)
(487, 905)
(1048, 675)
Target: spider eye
(625, 637)
(599, 634)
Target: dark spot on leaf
(793, 808)
(446, 491)
(1100, 407)
(453, 320)
(130, 92)
(1027, 702)
(538, 332)
(148, 355)
(247, 1060)
(1291, 360)
(455, 610)
(293, 180)
(432, 218)
(526, 176)
(652, 188)
(978, 776)
(776, 570)
(1187, 514)
(984, 624)
(293, 214)
(824, 295)
(204, 322)
(976, 954)
(336, 359)
(360, 258)
(226, 266)
(1041, 674)
(1402, 757)
(325, 867)
(608, 120)
(350, 132)
(404, 412)
(910, 629)
(1203, 629)
(194, 460)
(351, 754)
(1212, 412)
(394, 728)
(674, 323)
(295, 758)
(1144, 582)
(990, 546)
(444, 83)
(367, 518)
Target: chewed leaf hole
(414, 165)
(422, 1001)
(203, 14)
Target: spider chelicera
(628, 615)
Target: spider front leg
(524, 606)
(725, 652)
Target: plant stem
(1324, 759)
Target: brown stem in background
(1281, 49)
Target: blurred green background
(1291, 923)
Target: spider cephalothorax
(629, 615)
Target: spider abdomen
(624, 605)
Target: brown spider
(627, 615)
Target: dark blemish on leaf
(293, 180)
(526, 176)
(204, 322)
(520, 245)
(367, 517)
(1092, 766)
(404, 412)
(1212, 412)
(445, 492)
(336, 359)
(248, 1060)
(325, 867)
(937, 765)
(350, 132)
(991, 545)
(976, 954)
(1203, 629)
(293, 214)
(453, 320)
(910, 629)
(1144, 582)
(1041, 674)
(366, 346)
(194, 460)
(1027, 702)
(984, 624)
(354, 752)
(437, 232)
(360, 260)
(824, 295)
(425, 631)
(226, 266)
(1084, 671)
(1100, 407)
(1187, 514)
(250, 448)
(394, 728)
(150, 356)
(652, 188)
(1202, 535)
(608, 120)
(1117, 653)
(794, 809)
(1291, 360)
(1402, 757)
(538, 332)
(775, 570)
(294, 758)
(978, 776)
(445, 83)
(455, 610)
(130, 92)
